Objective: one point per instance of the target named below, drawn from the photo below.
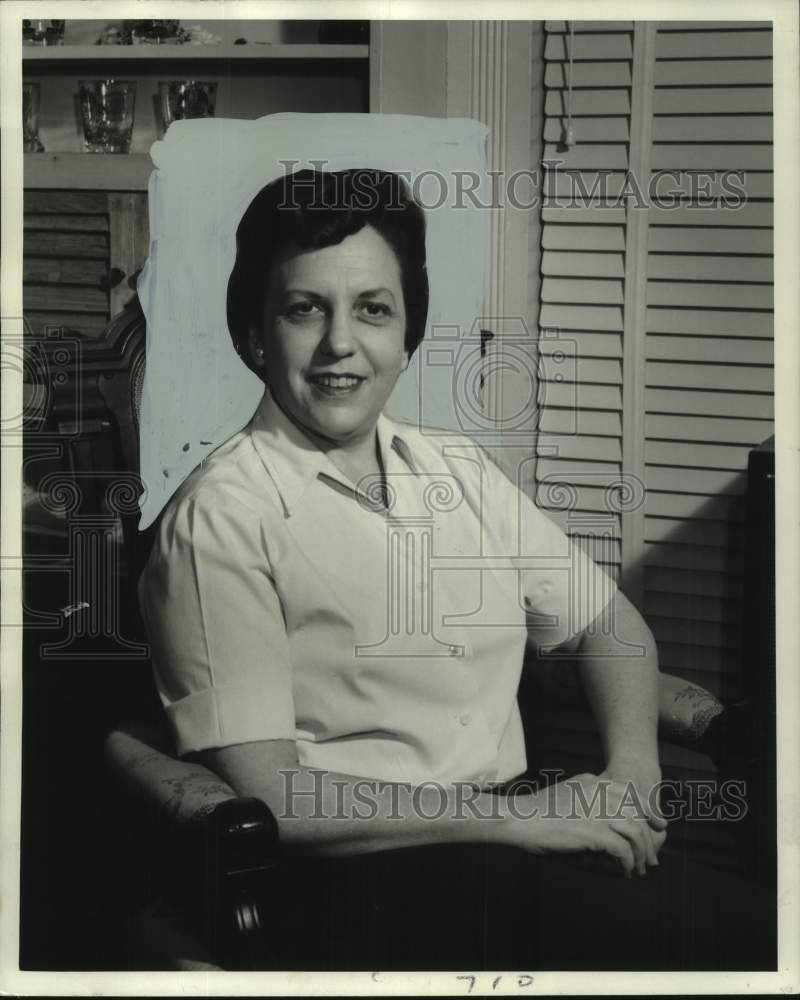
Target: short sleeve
(216, 628)
(561, 586)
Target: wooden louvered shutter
(66, 255)
(583, 267)
(81, 250)
(679, 301)
(707, 342)
(709, 378)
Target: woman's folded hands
(596, 821)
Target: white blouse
(281, 602)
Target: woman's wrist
(472, 817)
(627, 766)
(519, 821)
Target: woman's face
(332, 340)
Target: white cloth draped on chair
(197, 392)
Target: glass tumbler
(153, 32)
(180, 99)
(107, 108)
(42, 32)
(31, 96)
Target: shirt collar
(294, 461)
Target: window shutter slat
(738, 351)
(695, 156)
(597, 46)
(683, 128)
(608, 292)
(713, 100)
(697, 267)
(578, 237)
(696, 456)
(726, 430)
(678, 479)
(758, 214)
(716, 44)
(755, 406)
(587, 345)
(697, 533)
(606, 265)
(662, 580)
(587, 74)
(602, 424)
(709, 322)
(715, 377)
(688, 558)
(665, 239)
(605, 102)
(682, 72)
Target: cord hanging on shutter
(568, 138)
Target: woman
(305, 637)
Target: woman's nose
(339, 335)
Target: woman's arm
(337, 814)
(618, 666)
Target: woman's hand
(634, 789)
(587, 819)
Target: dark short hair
(311, 209)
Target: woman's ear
(256, 348)
(406, 359)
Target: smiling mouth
(336, 384)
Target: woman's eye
(300, 310)
(375, 310)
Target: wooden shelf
(88, 171)
(297, 73)
(191, 53)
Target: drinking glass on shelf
(42, 32)
(31, 95)
(153, 32)
(107, 108)
(180, 99)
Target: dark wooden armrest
(242, 849)
(209, 851)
